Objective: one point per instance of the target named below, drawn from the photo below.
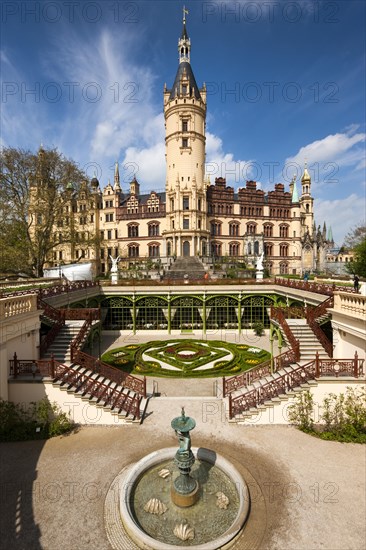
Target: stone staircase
(183, 267)
(60, 348)
(265, 409)
(97, 390)
(89, 386)
(309, 344)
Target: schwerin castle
(193, 217)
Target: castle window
(154, 250)
(185, 223)
(185, 203)
(284, 231)
(283, 268)
(268, 230)
(133, 230)
(199, 204)
(283, 250)
(109, 217)
(234, 249)
(109, 234)
(102, 235)
(133, 251)
(251, 228)
(268, 248)
(216, 249)
(184, 125)
(234, 230)
(153, 229)
(185, 142)
(215, 228)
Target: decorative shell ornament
(222, 500)
(155, 506)
(183, 531)
(164, 473)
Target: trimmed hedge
(185, 357)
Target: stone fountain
(175, 499)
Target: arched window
(284, 231)
(284, 249)
(133, 230)
(251, 228)
(216, 249)
(234, 249)
(154, 250)
(133, 251)
(268, 230)
(153, 229)
(249, 249)
(215, 228)
(234, 229)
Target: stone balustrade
(17, 305)
(350, 304)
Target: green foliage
(33, 190)
(301, 412)
(41, 420)
(258, 328)
(343, 417)
(358, 264)
(187, 357)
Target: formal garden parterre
(188, 358)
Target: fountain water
(202, 506)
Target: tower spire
(184, 43)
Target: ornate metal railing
(56, 316)
(312, 315)
(96, 366)
(288, 381)
(319, 288)
(84, 383)
(259, 371)
(278, 314)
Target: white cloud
(344, 149)
(221, 164)
(340, 214)
(147, 164)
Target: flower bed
(186, 358)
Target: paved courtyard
(306, 493)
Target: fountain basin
(237, 513)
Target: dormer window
(184, 89)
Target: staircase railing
(96, 366)
(288, 381)
(312, 314)
(97, 389)
(259, 371)
(58, 318)
(278, 314)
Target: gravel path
(306, 493)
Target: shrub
(40, 420)
(301, 412)
(258, 328)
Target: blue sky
(286, 84)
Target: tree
(355, 236)
(356, 240)
(34, 193)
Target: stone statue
(114, 261)
(259, 265)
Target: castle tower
(185, 142)
(306, 202)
